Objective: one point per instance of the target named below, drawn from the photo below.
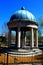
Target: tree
(5, 30)
(40, 34)
(41, 25)
(2, 40)
(41, 21)
(28, 35)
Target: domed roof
(23, 14)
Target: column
(32, 38)
(21, 39)
(37, 38)
(24, 38)
(18, 37)
(9, 37)
(16, 45)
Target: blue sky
(8, 7)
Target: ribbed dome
(23, 14)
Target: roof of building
(23, 14)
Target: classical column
(24, 38)
(16, 45)
(37, 38)
(21, 39)
(32, 38)
(9, 37)
(18, 39)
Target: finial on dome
(22, 8)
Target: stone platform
(22, 56)
(26, 56)
(24, 52)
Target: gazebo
(22, 21)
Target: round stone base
(24, 52)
